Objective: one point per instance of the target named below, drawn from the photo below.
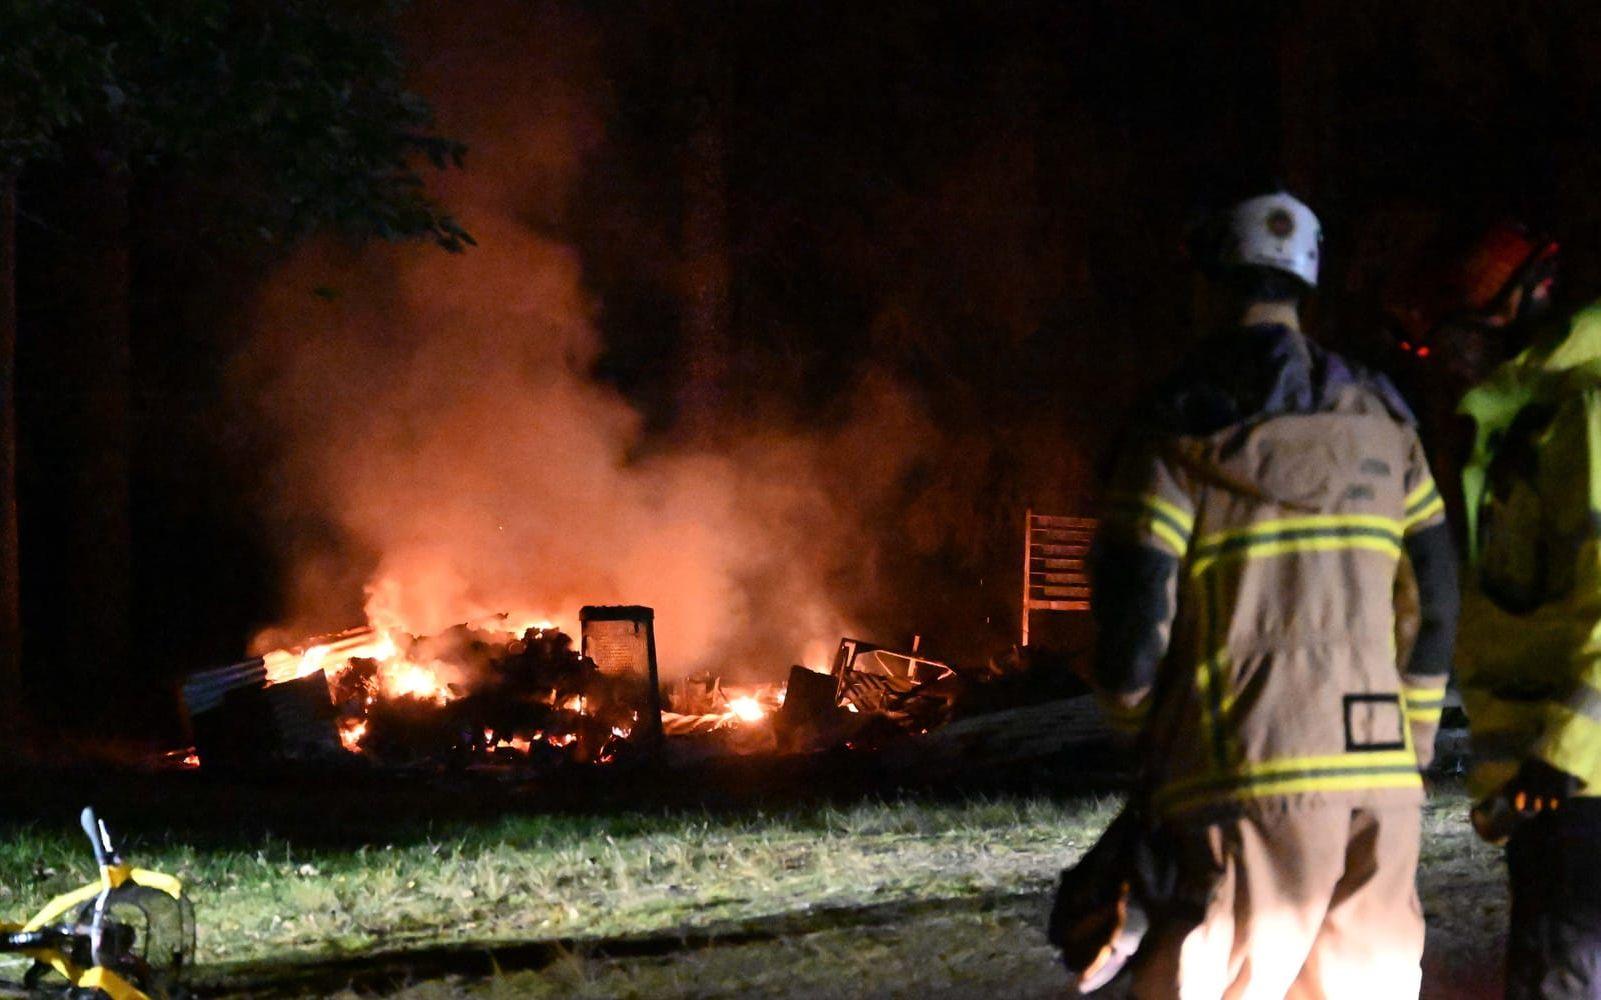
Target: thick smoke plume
(437, 421)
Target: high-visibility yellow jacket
(1263, 530)
(1529, 660)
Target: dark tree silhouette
(282, 118)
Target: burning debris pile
(493, 688)
(489, 690)
(523, 694)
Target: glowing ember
(350, 733)
(186, 758)
(520, 744)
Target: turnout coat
(1275, 587)
(1530, 646)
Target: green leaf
(293, 114)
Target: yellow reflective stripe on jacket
(1162, 518)
(1423, 695)
(1209, 683)
(1182, 519)
(1423, 704)
(1211, 677)
(1420, 495)
(1292, 775)
(1328, 532)
(1161, 530)
(1422, 504)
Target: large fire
(398, 670)
(398, 673)
(498, 686)
(516, 692)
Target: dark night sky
(983, 200)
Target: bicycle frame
(114, 873)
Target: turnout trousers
(1303, 901)
(1554, 945)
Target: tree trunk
(103, 548)
(10, 560)
(75, 419)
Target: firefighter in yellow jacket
(1530, 646)
(1265, 517)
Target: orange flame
(350, 733)
(405, 679)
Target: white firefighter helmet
(1273, 230)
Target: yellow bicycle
(129, 936)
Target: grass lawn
(907, 897)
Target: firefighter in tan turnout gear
(1264, 518)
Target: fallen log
(1016, 735)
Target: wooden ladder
(1055, 564)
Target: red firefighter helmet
(1474, 285)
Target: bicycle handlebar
(44, 937)
(98, 836)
